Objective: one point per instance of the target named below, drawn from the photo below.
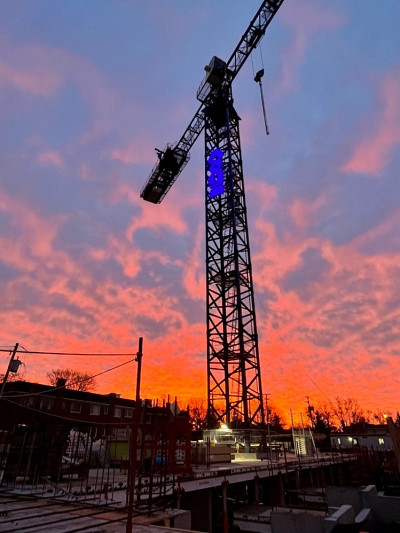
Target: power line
(73, 383)
(37, 352)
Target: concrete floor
(34, 515)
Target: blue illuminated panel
(215, 173)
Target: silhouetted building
(46, 431)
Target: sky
(89, 89)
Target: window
(47, 404)
(76, 407)
(106, 410)
(95, 409)
(117, 412)
(120, 433)
(128, 413)
(381, 440)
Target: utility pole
(268, 411)
(310, 409)
(133, 439)
(225, 484)
(8, 369)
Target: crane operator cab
(215, 75)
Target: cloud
(34, 80)
(123, 253)
(304, 212)
(47, 71)
(372, 154)
(304, 19)
(51, 158)
(155, 217)
(135, 152)
(328, 314)
(87, 265)
(313, 269)
(33, 235)
(194, 268)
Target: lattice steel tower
(233, 362)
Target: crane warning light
(215, 173)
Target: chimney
(61, 383)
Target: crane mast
(233, 361)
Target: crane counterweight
(171, 163)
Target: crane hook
(257, 79)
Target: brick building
(46, 431)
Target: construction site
(77, 461)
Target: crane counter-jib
(172, 161)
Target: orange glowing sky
(87, 266)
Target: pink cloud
(372, 153)
(262, 194)
(130, 259)
(51, 158)
(309, 333)
(193, 268)
(42, 70)
(34, 80)
(123, 253)
(304, 18)
(154, 216)
(135, 152)
(36, 233)
(303, 212)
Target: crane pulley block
(171, 163)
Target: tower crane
(233, 361)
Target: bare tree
(321, 423)
(75, 380)
(377, 417)
(342, 413)
(198, 413)
(11, 377)
(348, 412)
(276, 422)
(274, 418)
(325, 414)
